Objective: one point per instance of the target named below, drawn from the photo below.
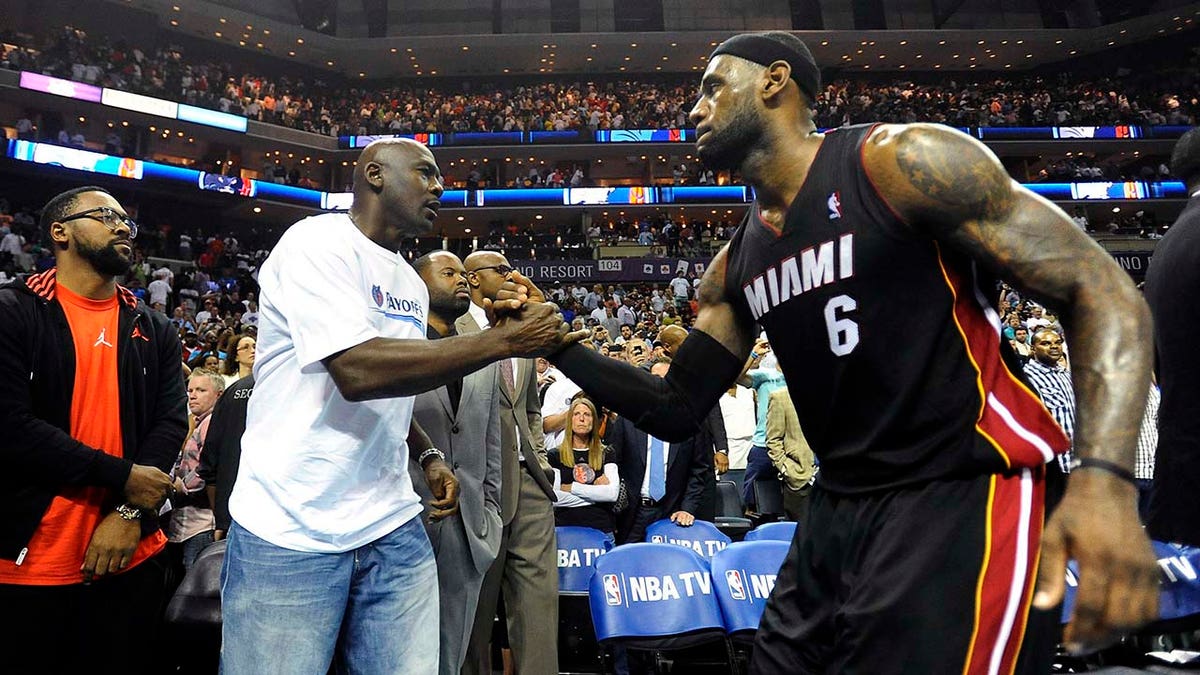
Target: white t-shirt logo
(100, 339)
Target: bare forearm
(556, 422)
(386, 368)
(1110, 339)
(418, 440)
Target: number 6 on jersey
(843, 332)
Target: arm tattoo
(961, 179)
(958, 188)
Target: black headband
(767, 48)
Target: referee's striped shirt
(1053, 386)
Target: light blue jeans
(374, 608)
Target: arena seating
(780, 531)
(657, 598)
(743, 576)
(701, 536)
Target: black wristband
(1106, 466)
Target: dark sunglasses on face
(502, 270)
(111, 219)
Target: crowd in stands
(1091, 168)
(324, 104)
(674, 237)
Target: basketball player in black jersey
(866, 258)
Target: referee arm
(949, 186)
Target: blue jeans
(290, 612)
(194, 546)
(758, 463)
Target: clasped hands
(531, 325)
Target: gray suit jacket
(522, 417)
(471, 442)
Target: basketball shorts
(936, 578)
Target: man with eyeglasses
(526, 568)
(94, 411)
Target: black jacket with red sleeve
(38, 456)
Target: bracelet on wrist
(1106, 466)
(430, 452)
(127, 512)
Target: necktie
(506, 373)
(658, 469)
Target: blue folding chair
(702, 536)
(578, 550)
(658, 598)
(781, 531)
(743, 576)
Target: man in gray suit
(526, 569)
(462, 419)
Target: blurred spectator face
(202, 392)
(600, 334)
(615, 352)
(1021, 335)
(212, 362)
(542, 365)
(577, 324)
(626, 331)
(245, 352)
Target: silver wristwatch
(128, 512)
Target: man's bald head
(386, 152)
(397, 186)
(486, 272)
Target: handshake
(529, 324)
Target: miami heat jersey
(890, 345)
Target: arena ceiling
(649, 53)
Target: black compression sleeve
(670, 408)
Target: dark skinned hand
(112, 546)
(1097, 526)
(444, 486)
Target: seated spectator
(588, 481)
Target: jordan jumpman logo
(101, 341)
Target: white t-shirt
(739, 413)
(557, 400)
(319, 473)
(159, 291)
(680, 287)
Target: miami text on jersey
(813, 267)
